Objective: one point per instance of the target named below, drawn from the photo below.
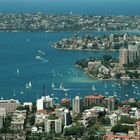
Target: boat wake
(43, 60)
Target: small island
(110, 42)
(109, 68)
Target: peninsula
(127, 67)
(110, 42)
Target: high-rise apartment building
(77, 104)
(123, 57)
(44, 103)
(53, 126)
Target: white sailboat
(17, 71)
(53, 86)
(29, 85)
(14, 94)
(93, 87)
(61, 86)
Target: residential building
(28, 104)
(44, 103)
(40, 116)
(116, 137)
(77, 104)
(53, 126)
(113, 119)
(137, 130)
(17, 122)
(3, 112)
(9, 105)
(58, 126)
(123, 57)
(93, 99)
(110, 103)
(67, 117)
(133, 54)
(1, 121)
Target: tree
(127, 119)
(121, 128)
(77, 117)
(32, 119)
(75, 130)
(105, 120)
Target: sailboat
(93, 87)
(61, 86)
(14, 94)
(17, 71)
(29, 85)
(53, 86)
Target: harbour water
(28, 61)
(99, 7)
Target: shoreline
(112, 79)
(93, 31)
(94, 78)
(94, 50)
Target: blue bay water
(99, 7)
(19, 50)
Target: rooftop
(94, 97)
